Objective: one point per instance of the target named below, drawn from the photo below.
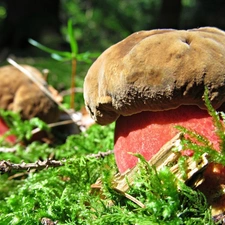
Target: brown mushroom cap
(19, 94)
(157, 70)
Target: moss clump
(64, 194)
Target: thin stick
(7, 166)
(51, 125)
(33, 78)
(101, 154)
(67, 92)
(133, 199)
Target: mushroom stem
(147, 132)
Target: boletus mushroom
(153, 80)
(19, 94)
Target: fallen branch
(7, 166)
(101, 154)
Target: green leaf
(36, 122)
(60, 58)
(73, 42)
(86, 56)
(49, 50)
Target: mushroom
(153, 80)
(19, 94)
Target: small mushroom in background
(153, 80)
(19, 94)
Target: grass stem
(73, 76)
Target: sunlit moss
(64, 194)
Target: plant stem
(73, 75)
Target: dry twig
(7, 166)
(101, 154)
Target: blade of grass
(60, 58)
(73, 76)
(49, 50)
(73, 42)
(74, 50)
(86, 56)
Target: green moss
(64, 194)
(200, 144)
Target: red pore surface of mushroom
(147, 132)
(4, 128)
